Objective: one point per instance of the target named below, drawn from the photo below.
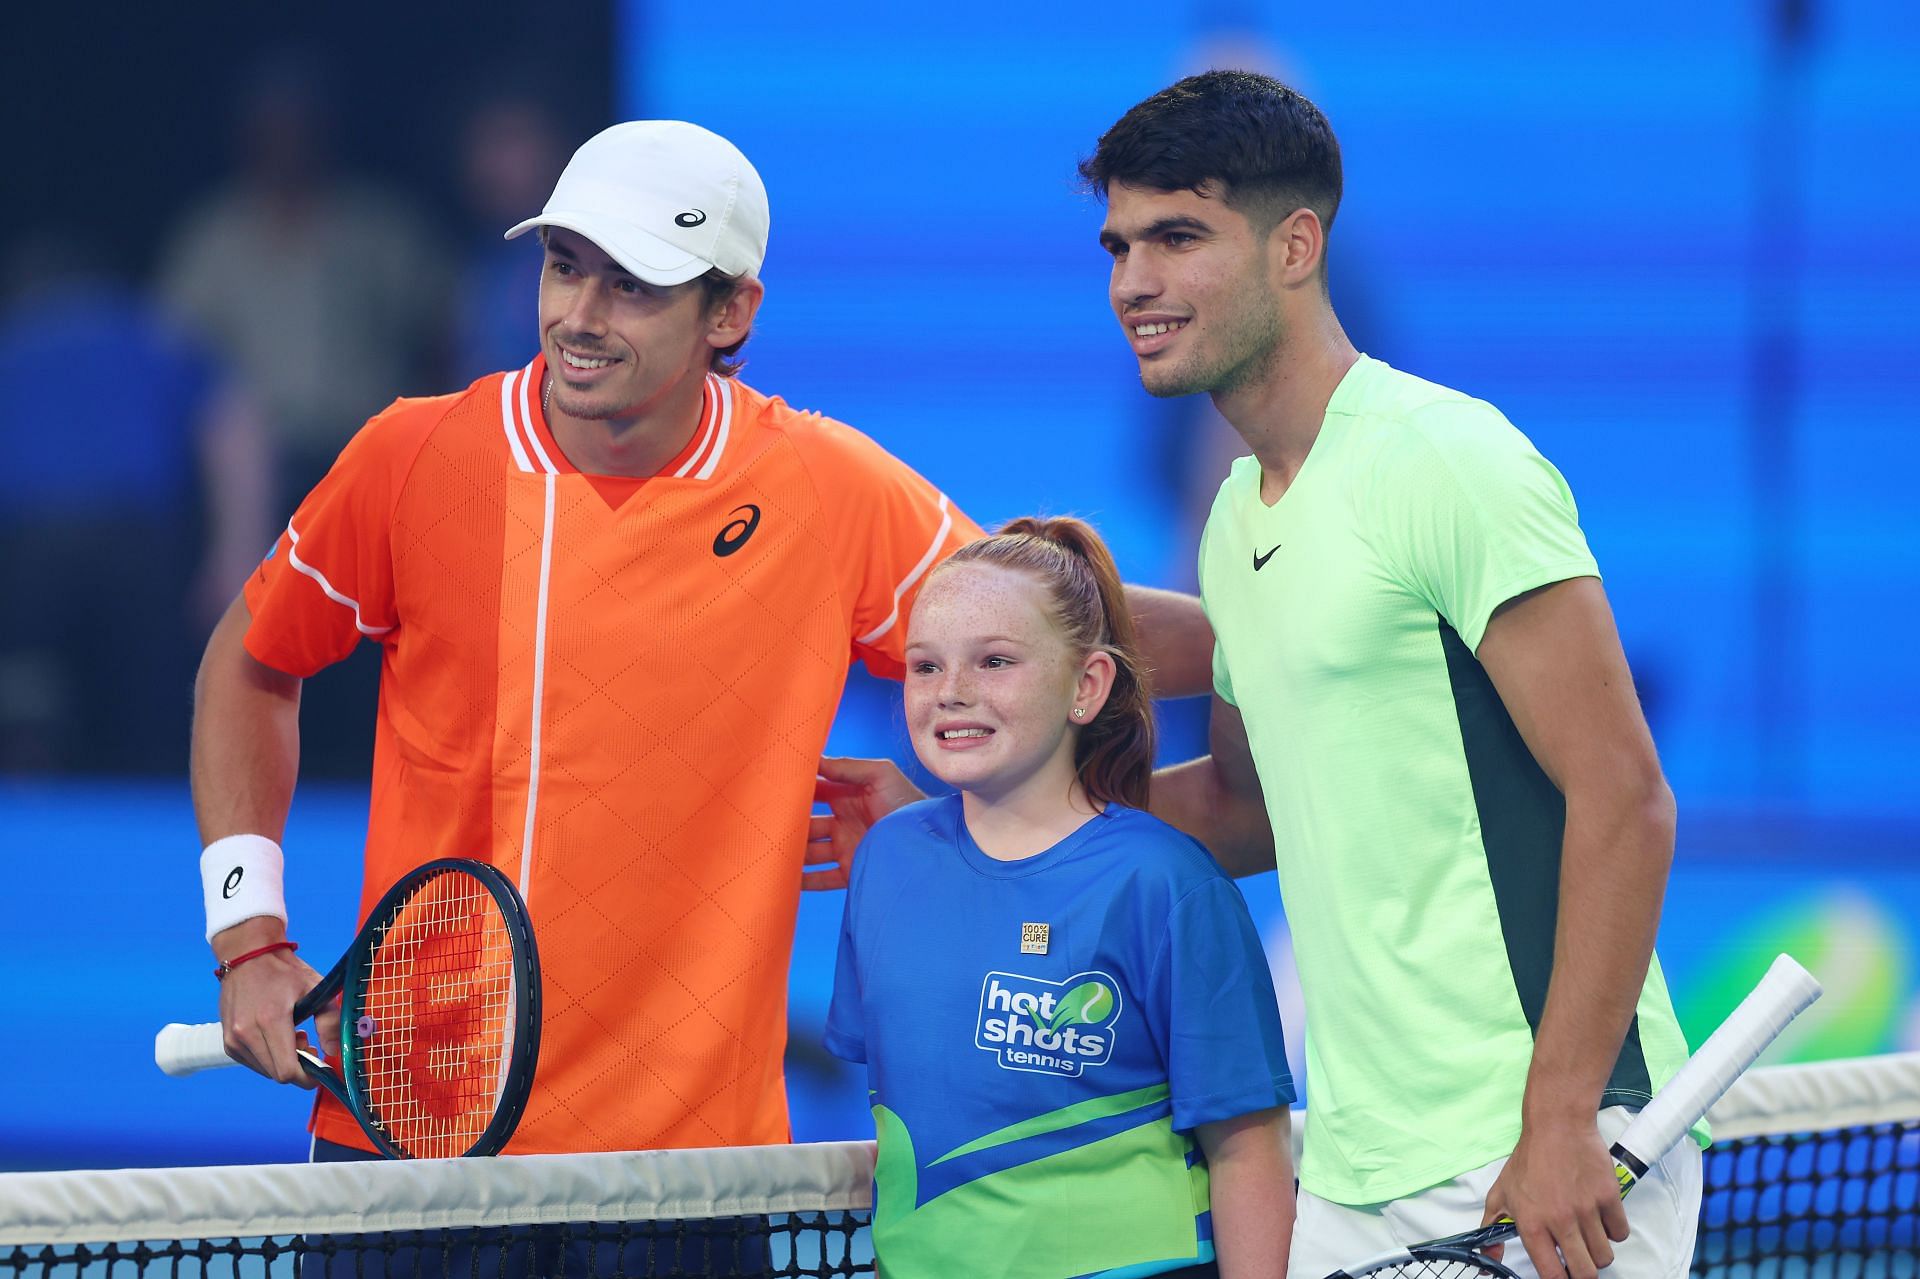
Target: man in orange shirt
(617, 593)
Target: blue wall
(1589, 215)
(1567, 210)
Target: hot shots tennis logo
(1048, 1027)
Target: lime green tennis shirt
(1418, 841)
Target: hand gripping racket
(1783, 994)
(439, 1016)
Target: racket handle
(1783, 994)
(182, 1050)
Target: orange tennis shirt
(617, 692)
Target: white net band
(286, 1199)
(1820, 1096)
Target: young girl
(1056, 995)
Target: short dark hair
(1270, 150)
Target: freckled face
(990, 682)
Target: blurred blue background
(1677, 246)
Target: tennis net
(764, 1211)
(1814, 1172)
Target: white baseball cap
(667, 200)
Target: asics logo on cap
(692, 217)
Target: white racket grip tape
(1783, 994)
(183, 1050)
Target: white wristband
(241, 877)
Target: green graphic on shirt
(1080, 1112)
(1136, 1183)
(1085, 1005)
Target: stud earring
(1078, 711)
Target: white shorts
(1663, 1213)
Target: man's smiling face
(1190, 288)
(615, 344)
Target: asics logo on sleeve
(1260, 561)
(1048, 1027)
(737, 531)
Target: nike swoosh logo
(1260, 561)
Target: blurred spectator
(325, 291)
(134, 504)
(511, 152)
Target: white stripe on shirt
(919, 571)
(506, 419)
(709, 418)
(300, 565)
(526, 424)
(725, 390)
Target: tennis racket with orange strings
(439, 1016)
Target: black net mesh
(1839, 1203)
(819, 1244)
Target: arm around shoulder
(1217, 798)
(1176, 641)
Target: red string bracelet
(231, 964)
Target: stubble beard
(1247, 349)
(582, 410)
(586, 407)
(589, 406)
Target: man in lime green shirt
(1421, 708)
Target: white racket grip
(182, 1050)
(1783, 994)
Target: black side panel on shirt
(1523, 820)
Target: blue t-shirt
(1041, 1038)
